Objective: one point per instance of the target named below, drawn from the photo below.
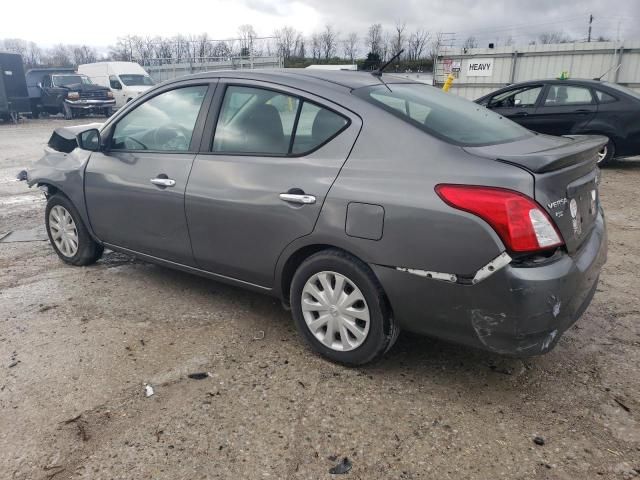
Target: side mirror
(89, 140)
(517, 102)
(40, 85)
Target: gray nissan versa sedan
(367, 203)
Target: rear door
(517, 104)
(565, 108)
(135, 190)
(264, 177)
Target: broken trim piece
(492, 267)
(445, 277)
(489, 269)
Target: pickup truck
(72, 94)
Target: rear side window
(260, 121)
(559, 95)
(605, 97)
(316, 125)
(443, 115)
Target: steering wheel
(171, 136)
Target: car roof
(338, 79)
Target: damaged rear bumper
(518, 310)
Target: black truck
(60, 90)
(14, 98)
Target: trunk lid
(565, 176)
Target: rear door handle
(302, 199)
(163, 182)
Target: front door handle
(302, 199)
(163, 182)
(521, 114)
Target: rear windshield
(444, 115)
(622, 89)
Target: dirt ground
(77, 346)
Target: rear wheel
(605, 156)
(340, 308)
(67, 233)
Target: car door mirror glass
(518, 102)
(89, 140)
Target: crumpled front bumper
(519, 310)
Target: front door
(565, 109)
(135, 190)
(273, 159)
(518, 104)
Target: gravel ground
(77, 346)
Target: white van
(126, 80)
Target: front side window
(559, 95)
(66, 80)
(135, 80)
(443, 115)
(114, 83)
(162, 123)
(520, 98)
(265, 122)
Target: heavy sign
(479, 67)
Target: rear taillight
(520, 222)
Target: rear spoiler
(582, 149)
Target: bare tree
(122, 50)
(16, 45)
(470, 42)
(286, 39)
(553, 37)
(84, 54)
(374, 39)
(350, 46)
(247, 36)
(416, 44)
(328, 42)
(316, 46)
(397, 41)
(60, 56)
(509, 41)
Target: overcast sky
(99, 23)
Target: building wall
(534, 62)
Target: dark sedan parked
(368, 207)
(574, 107)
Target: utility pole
(590, 22)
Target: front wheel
(67, 233)
(605, 156)
(340, 308)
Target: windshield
(444, 115)
(66, 80)
(622, 89)
(136, 80)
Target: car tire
(607, 154)
(67, 111)
(355, 338)
(75, 246)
